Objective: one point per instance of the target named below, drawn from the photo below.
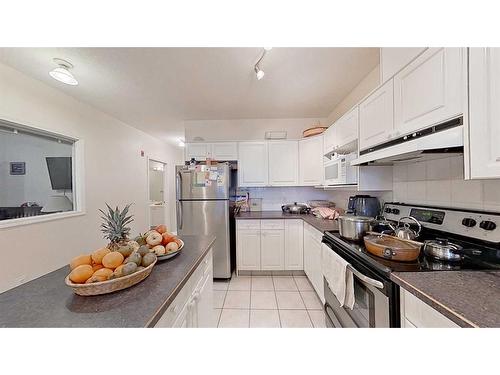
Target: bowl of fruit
(161, 242)
(119, 265)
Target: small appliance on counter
(296, 208)
(363, 205)
(453, 240)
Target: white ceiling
(155, 89)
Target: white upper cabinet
(430, 90)
(393, 59)
(198, 151)
(484, 112)
(283, 163)
(252, 164)
(225, 151)
(215, 151)
(329, 137)
(311, 161)
(376, 117)
(347, 128)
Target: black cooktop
(487, 255)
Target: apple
(167, 237)
(159, 250)
(161, 229)
(154, 238)
(171, 247)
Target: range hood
(422, 145)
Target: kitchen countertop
(469, 298)
(320, 224)
(48, 302)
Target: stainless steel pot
(441, 249)
(296, 208)
(354, 227)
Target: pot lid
(364, 219)
(443, 244)
(295, 205)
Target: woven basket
(313, 131)
(109, 286)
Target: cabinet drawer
(247, 224)
(272, 224)
(421, 315)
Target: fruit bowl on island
(119, 265)
(162, 243)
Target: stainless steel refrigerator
(204, 206)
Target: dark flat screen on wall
(60, 172)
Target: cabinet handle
(173, 309)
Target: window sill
(10, 223)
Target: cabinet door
(376, 117)
(307, 252)
(317, 271)
(185, 317)
(484, 113)
(204, 307)
(283, 163)
(248, 250)
(393, 59)
(272, 251)
(198, 151)
(224, 151)
(294, 245)
(329, 139)
(347, 128)
(311, 161)
(252, 164)
(430, 90)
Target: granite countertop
(320, 224)
(48, 302)
(469, 298)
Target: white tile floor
(267, 302)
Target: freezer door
(209, 218)
(203, 182)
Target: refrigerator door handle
(178, 185)
(179, 215)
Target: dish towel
(338, 276)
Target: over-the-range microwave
(339, 171)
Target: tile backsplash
(274, 197)
(440, 182)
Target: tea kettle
(405, 232)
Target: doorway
(157, 193)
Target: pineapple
(114, 226)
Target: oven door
(334, 172)
(370, 310)
(373, 298)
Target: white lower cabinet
(294, 245)
(272, 249)
(269, 245)
(193, 305)
(313, 259)
(415, 313)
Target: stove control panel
(478, 225)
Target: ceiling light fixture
(62, 73)
(181, 143)
(258, 71)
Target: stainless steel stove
(377, 303)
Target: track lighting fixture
(257, 69)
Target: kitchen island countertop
(468, 298)
(322, 225)
(48, 302)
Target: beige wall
(369, 83)
(114, 172)
(247, 129)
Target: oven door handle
(366, 279)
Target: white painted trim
(39, 219)
(165, 190)
(78, 168)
